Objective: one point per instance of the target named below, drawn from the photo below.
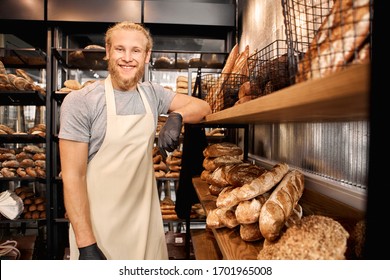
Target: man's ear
(107, 56)
(148, 55)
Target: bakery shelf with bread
(252, 207)
(234, 247)
(89, 57)
(166, 59)
(23, 163)
(23, 57)
(17, 87)
(341, 96)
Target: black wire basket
(325, 36)
(268, 69)
(220, 90)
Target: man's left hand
(168, 138)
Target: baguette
(227, 198)
(279, 206)
(263, 183)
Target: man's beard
(124, 83)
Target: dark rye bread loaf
(243, 173)
(222, 149)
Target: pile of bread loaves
(38, 129)
(27, 161)
(236, 64)
(264, 204)
(18, 81)
(34, 205)
(71, 84)
(169, 167)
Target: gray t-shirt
(84, 116)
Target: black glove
(168, 138)
(91, 252)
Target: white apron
(123, 196)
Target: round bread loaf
(316, 237)
(72, 84)
(250, 232)
(182, 79)
(163, 62)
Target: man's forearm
(77, 207)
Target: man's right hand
(91, 252)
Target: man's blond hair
(127, 25)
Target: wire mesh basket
(325, 36)
(268, 69)
(220, 90)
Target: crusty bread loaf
(3, 71)
(212, 163)
(243, 173)
(222, 149)
(219, 218)
(245, 90)
(7, 129)
(231, 60)
(159, 174)
(241, 64)
(316, 237)
(72, 84)
(218, 177)
(295, 216)
(213, 219)
(215, 190)
(160, 166)
(337, 40)
(22, 73)
(172, 174)
(205, 175)
(248, 211)
(228, 218)
(279, 206)
(250, 232)
(227, 198)
(263, 183)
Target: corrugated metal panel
(22, 9)
(94, 11)
(336, 151)
(193, 13)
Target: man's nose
(128, 56)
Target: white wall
(260, 22)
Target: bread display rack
(342, 96)
(15, 63)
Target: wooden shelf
(343, 96)
(229, 241)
